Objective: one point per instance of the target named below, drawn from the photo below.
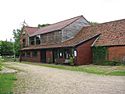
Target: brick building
(73, 38)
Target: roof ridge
(110, 22)
(63, 21)
(68, 19)
(76, 18)
(98, 24)
(30, 27)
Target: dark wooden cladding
(51, 38)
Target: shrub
(0, 67)
(111, 63)
(71, 61)
(99, 54)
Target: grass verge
(95, 69)
(7, 83)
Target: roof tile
(110, 34)
(30, 30)
(56, 26)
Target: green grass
(95, 69)
(7, 83)
(118, 73)
(6, 80)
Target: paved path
(7, 70)
(42, 80)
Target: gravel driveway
(34, 79)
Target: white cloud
(13, 12)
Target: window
(60, 54)
(38, 39)
(75, 53)
(24, 42)
(31, 39)
(23, 32)
(34, 53)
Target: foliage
(71, 61)
(93, 23)
(6, 48)
(43, 25)
(16, 34)
(100, 57)
(99, 54)
(0, 66)
(8, 59)
(6, 83)
(111, 63)
(1, 60)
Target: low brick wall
(32, 58)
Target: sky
(34, 12)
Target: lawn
(95, 69)
(7, 83)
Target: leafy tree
(43, 25)
(93, 23)
(6, 48)
(16, 37)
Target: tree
(93, 23)
(16, 37)
(6, 48)
(43, 25)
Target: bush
(71, 61)
(111, 63)
(8, 59)
(0, 67)
(99, 54)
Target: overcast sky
(34, 12)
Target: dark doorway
(43, 56)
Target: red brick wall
(116, 53)
(32, 58)
(49, 56)
(84, 53)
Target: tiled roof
(30, 30)
(110, 34)
(56, 26)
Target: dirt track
(34, 79)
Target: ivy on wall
(99, 54)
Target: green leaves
(6, 48)
(43, 25)
(16, 37)
(99, 54)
